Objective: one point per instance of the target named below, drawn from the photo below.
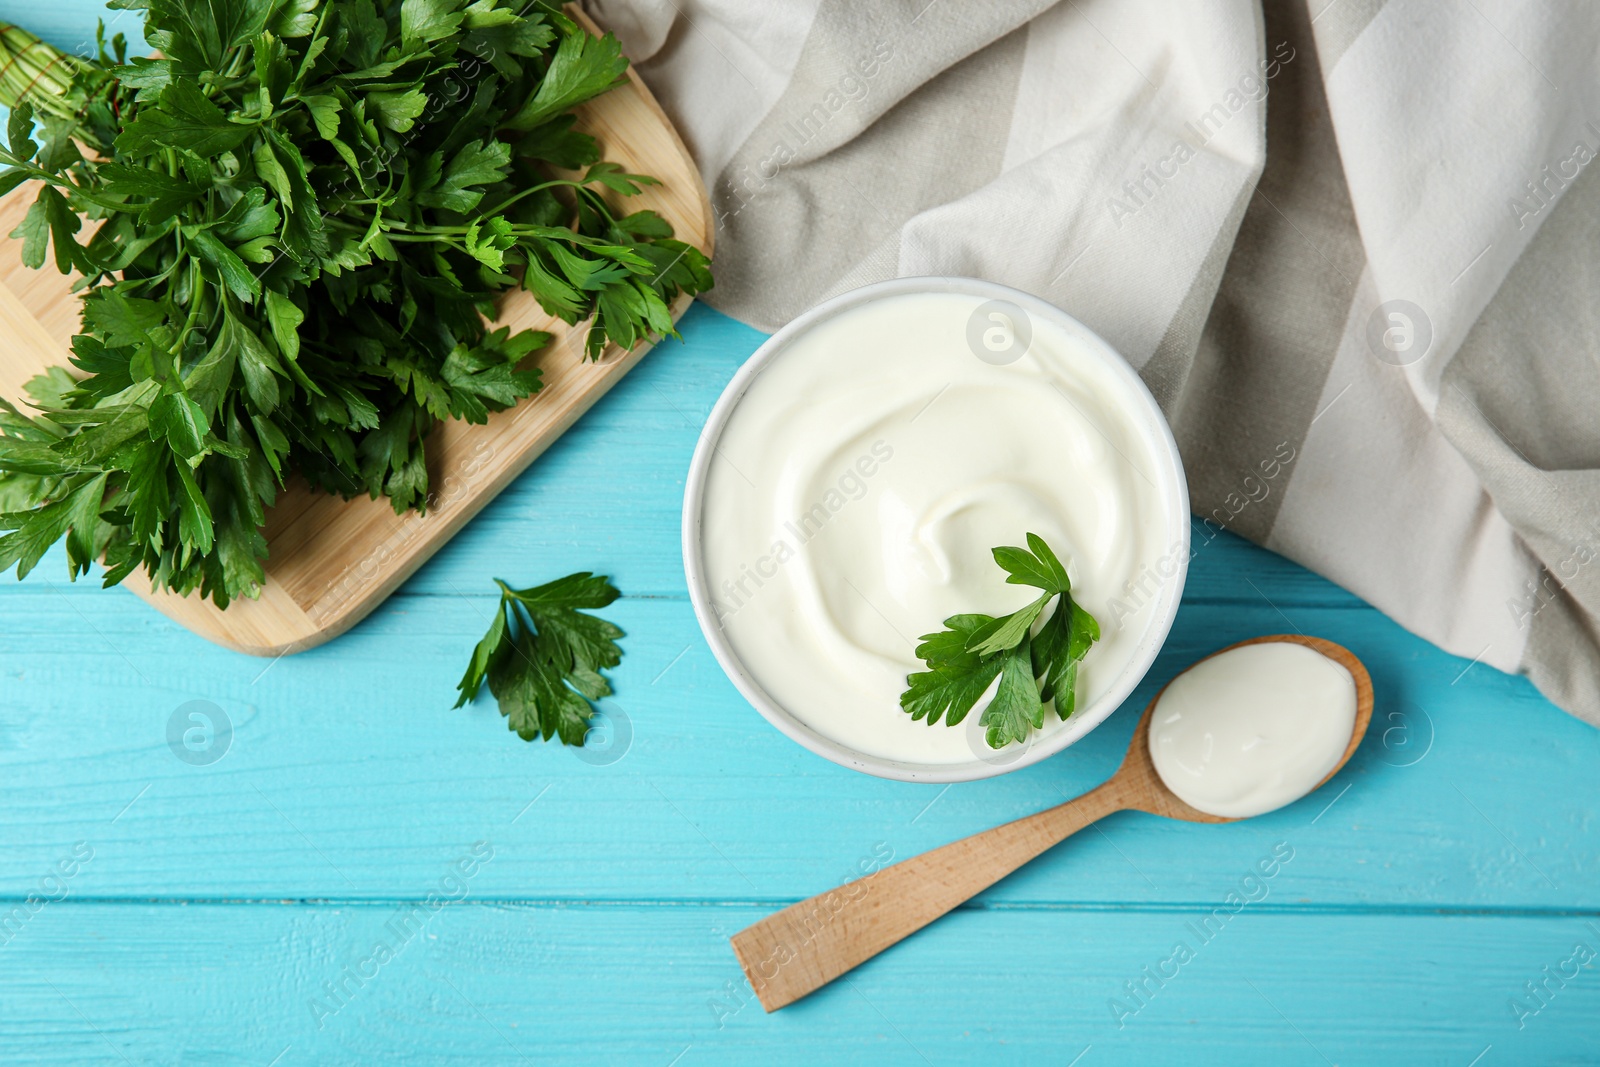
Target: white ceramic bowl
(1172, 486)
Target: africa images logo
(1399, 332)
(199, 733)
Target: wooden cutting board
(331, 561)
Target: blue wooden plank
(216, 984)
(349, 751)
(347, 769)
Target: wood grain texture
(809, 944)
(1455, 856)
(146, 983)
(354, 743)
(331, 561)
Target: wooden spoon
(807, 945)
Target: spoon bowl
(1148, 793)
(807, 945)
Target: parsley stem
(500, 207)
(196, 298)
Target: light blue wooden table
(227, 912)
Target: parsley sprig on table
(542, 657)
(1034, 668)
(289, 229)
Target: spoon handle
(807, 945)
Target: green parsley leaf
(34, 233)
(167, 193)
(1039, 568)
(956, 678)
(543, 658)
(181, 422)
(1015, 708)
(33, 534)
(240, 280)
(558, 143)
(19, 128)
(119, 319)
(1007, 632)
(583, 68)
(285, 319)
(474, 164)
(1033, 668)
(184, 119)
(397, 110)
(422, 21)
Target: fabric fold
(1349, 244)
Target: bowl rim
(1086, 719)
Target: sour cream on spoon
(1252, 728)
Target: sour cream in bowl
(853, 478)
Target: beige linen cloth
(1353, 247)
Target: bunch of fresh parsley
(542, 657)
(289, 229)
(1033, 668)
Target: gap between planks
(1458, 911)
